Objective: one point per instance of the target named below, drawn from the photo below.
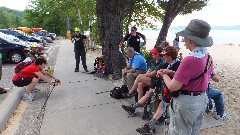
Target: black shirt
(78, 44)
(134, 41)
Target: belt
(191, 93)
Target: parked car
(46, 33)
(13, 51)
(20, 35)
(17, 40)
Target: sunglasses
(132, 30)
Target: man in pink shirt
(190, 81)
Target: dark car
(20, 35)
(13, 51)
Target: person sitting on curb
(136, 65)
(2, 90)
(172, 63)
(32, 57)
(149, 78)
(30, 75)
(217, 96)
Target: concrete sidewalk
(75, 108)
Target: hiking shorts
(21, 82)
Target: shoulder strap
(208, 65)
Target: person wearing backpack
(133, 39)
(2, 90)
(190, 80)
(78, 40)
(30, 75)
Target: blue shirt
(138, 62)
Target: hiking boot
(221, 117)
(28, 97)
(35, 90)
(76, 70)
(145, 130)
(2, 90)
(129, 109)
(86, 70)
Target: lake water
(219, 36)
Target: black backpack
(116, 93)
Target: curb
(8, 106)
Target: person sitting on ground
(149, 78)
(30, 75)
(217, 96)
(2, 90)
(32, 57)
(170, 56)
(136, 65)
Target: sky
(217, 13)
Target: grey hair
(130, 49)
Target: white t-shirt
(28, 59)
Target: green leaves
(11, 18)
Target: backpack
(21, 65)
(116, 93)
(101, 72)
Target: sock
(152, 123)
(136, 105)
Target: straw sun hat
(198, 31)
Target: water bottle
(49, 69)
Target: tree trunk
(79, 17)
(110, 17)
(168, 18)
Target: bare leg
(159, 111)
(141, 78)
(135, 85)
(32, 85)
(141, 85)
(144, 99)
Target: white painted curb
(8, 106)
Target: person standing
(189, 86)
(133, 39)
(78, 40)
(176, 42)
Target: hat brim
(205, 42)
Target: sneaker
(2, 90)
(76, 70)
(86, 70)
(35, 90)
(28, 97)
(221, 117)
(145, 130)
(129, 109)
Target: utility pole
(79, 17)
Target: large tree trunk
(110, 17)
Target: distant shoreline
(237, 27)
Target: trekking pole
(45, 103)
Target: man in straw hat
(190, 81)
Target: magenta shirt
(190, 68)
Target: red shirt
(26, 72)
